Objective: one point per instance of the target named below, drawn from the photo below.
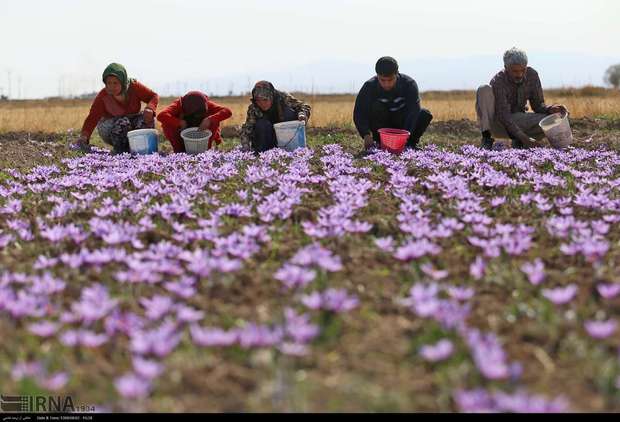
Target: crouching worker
(194, 109)
(116, 110)
(501, 106)
(390, 100)
(268, 107)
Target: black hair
(386, 66)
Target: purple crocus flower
(315, 254)
(386, 244)
(313, 301)
(253, 335)
(157, 307)
(600, 329)
(433, 273)
(147, 369)
(535, 271)
(132, 386)
(44, 328)
(496, 202)
(477, 268)
(460, 293)
(416, 249)
(608, 291)
(27, 370)
(293, 276)
(298, 327)
(561, 295)
(338, 300)
(188, 314)
(437, 352)
(55, 382)
(213, 337)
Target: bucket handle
(294, 135)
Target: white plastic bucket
(195, 140)
(557, 129)
(143, 141)
(291, 135)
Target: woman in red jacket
(194, 109)
(116, 110)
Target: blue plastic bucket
(291, 135)
(143, 141)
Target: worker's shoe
(487, 143)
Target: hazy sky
(62, 46)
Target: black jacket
(404, 97)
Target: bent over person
(390, 100)
(268, 107)
(194, 109)
(116, 110)
(501, 105)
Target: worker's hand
(149, 116)
(82, 144)
(558, 108)
(369, 142)
(205, 124)
(302, 117)
(182, 124)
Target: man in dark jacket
(390, 100)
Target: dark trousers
(264, 137)
(415, 123)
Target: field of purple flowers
(446, 279)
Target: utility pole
(8, 72)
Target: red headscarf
(195, 107)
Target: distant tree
(612, 76)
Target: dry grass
(328, 110)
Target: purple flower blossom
(460, 293)
(433, 273)
(157, 307)
(481, 401)
(608, 291)
(488, 355)
(600, 329)
(535, 271)
(293, 276)
(331, 300)
(561, 295)
(496, 202)
(160, 341)
(477, 268)
(315, 254)
(437, 352)
(213, 337)
(147, 369)
(386, 244)
(188, 314)
(132, 386)
(313, 301)
(55, 382)
(43, 328)
(27, 370)
(86, 338)
(416, 249)
(253, 335)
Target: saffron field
(445, 279)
